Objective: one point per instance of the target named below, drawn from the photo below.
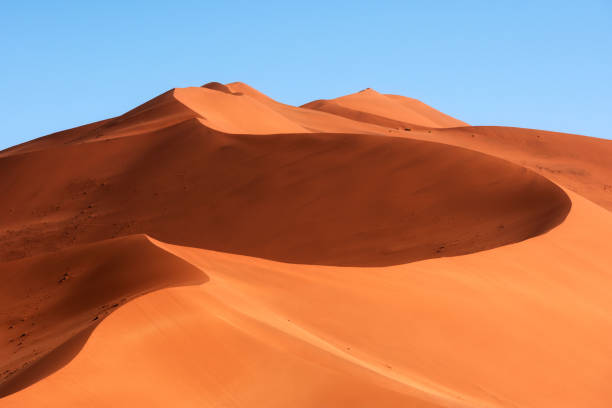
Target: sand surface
(370, 106)
(214, 247)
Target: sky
(534, 64)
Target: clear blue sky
(538, 64)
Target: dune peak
(369, 90)
(218, 86)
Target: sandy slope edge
(49, 302)
(484, 329)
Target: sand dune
(476, 330)
(318, 257)
(333, 199)
(232, 108)
(579, 163)
(385, 110)
(313, 120)
(50, 300)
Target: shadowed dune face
(482, 330)
(330, 199)
(579, 163)
(49, 303)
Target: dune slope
(481, 330)
(579, 163)
(334, 199)
(232, 108)
(393, 111)
(313, 120)
(363, 251)
(49, 301)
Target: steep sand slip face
(232, 113)
(501, 328)
(310, 198)
(313, 120)
(385, 110)
(579, 163)
(489, 326)
(49, 303)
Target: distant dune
(214, 247)
(385, 110)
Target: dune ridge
(579, 163)
(373, 107)
(232, 108)
(576, 162)
(50, 300)
(215, 247)
(335, 199)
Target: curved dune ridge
(332, 199)
(269, 214)
(50, 300)
(579, 163)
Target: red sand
(271, 212)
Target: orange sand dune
(481, 330)
(49, 300)
(332, 199)
(232, 108)
(271, 214)
(313, 120)
(385, 110)
(579, 163)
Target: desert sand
(215, 247)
